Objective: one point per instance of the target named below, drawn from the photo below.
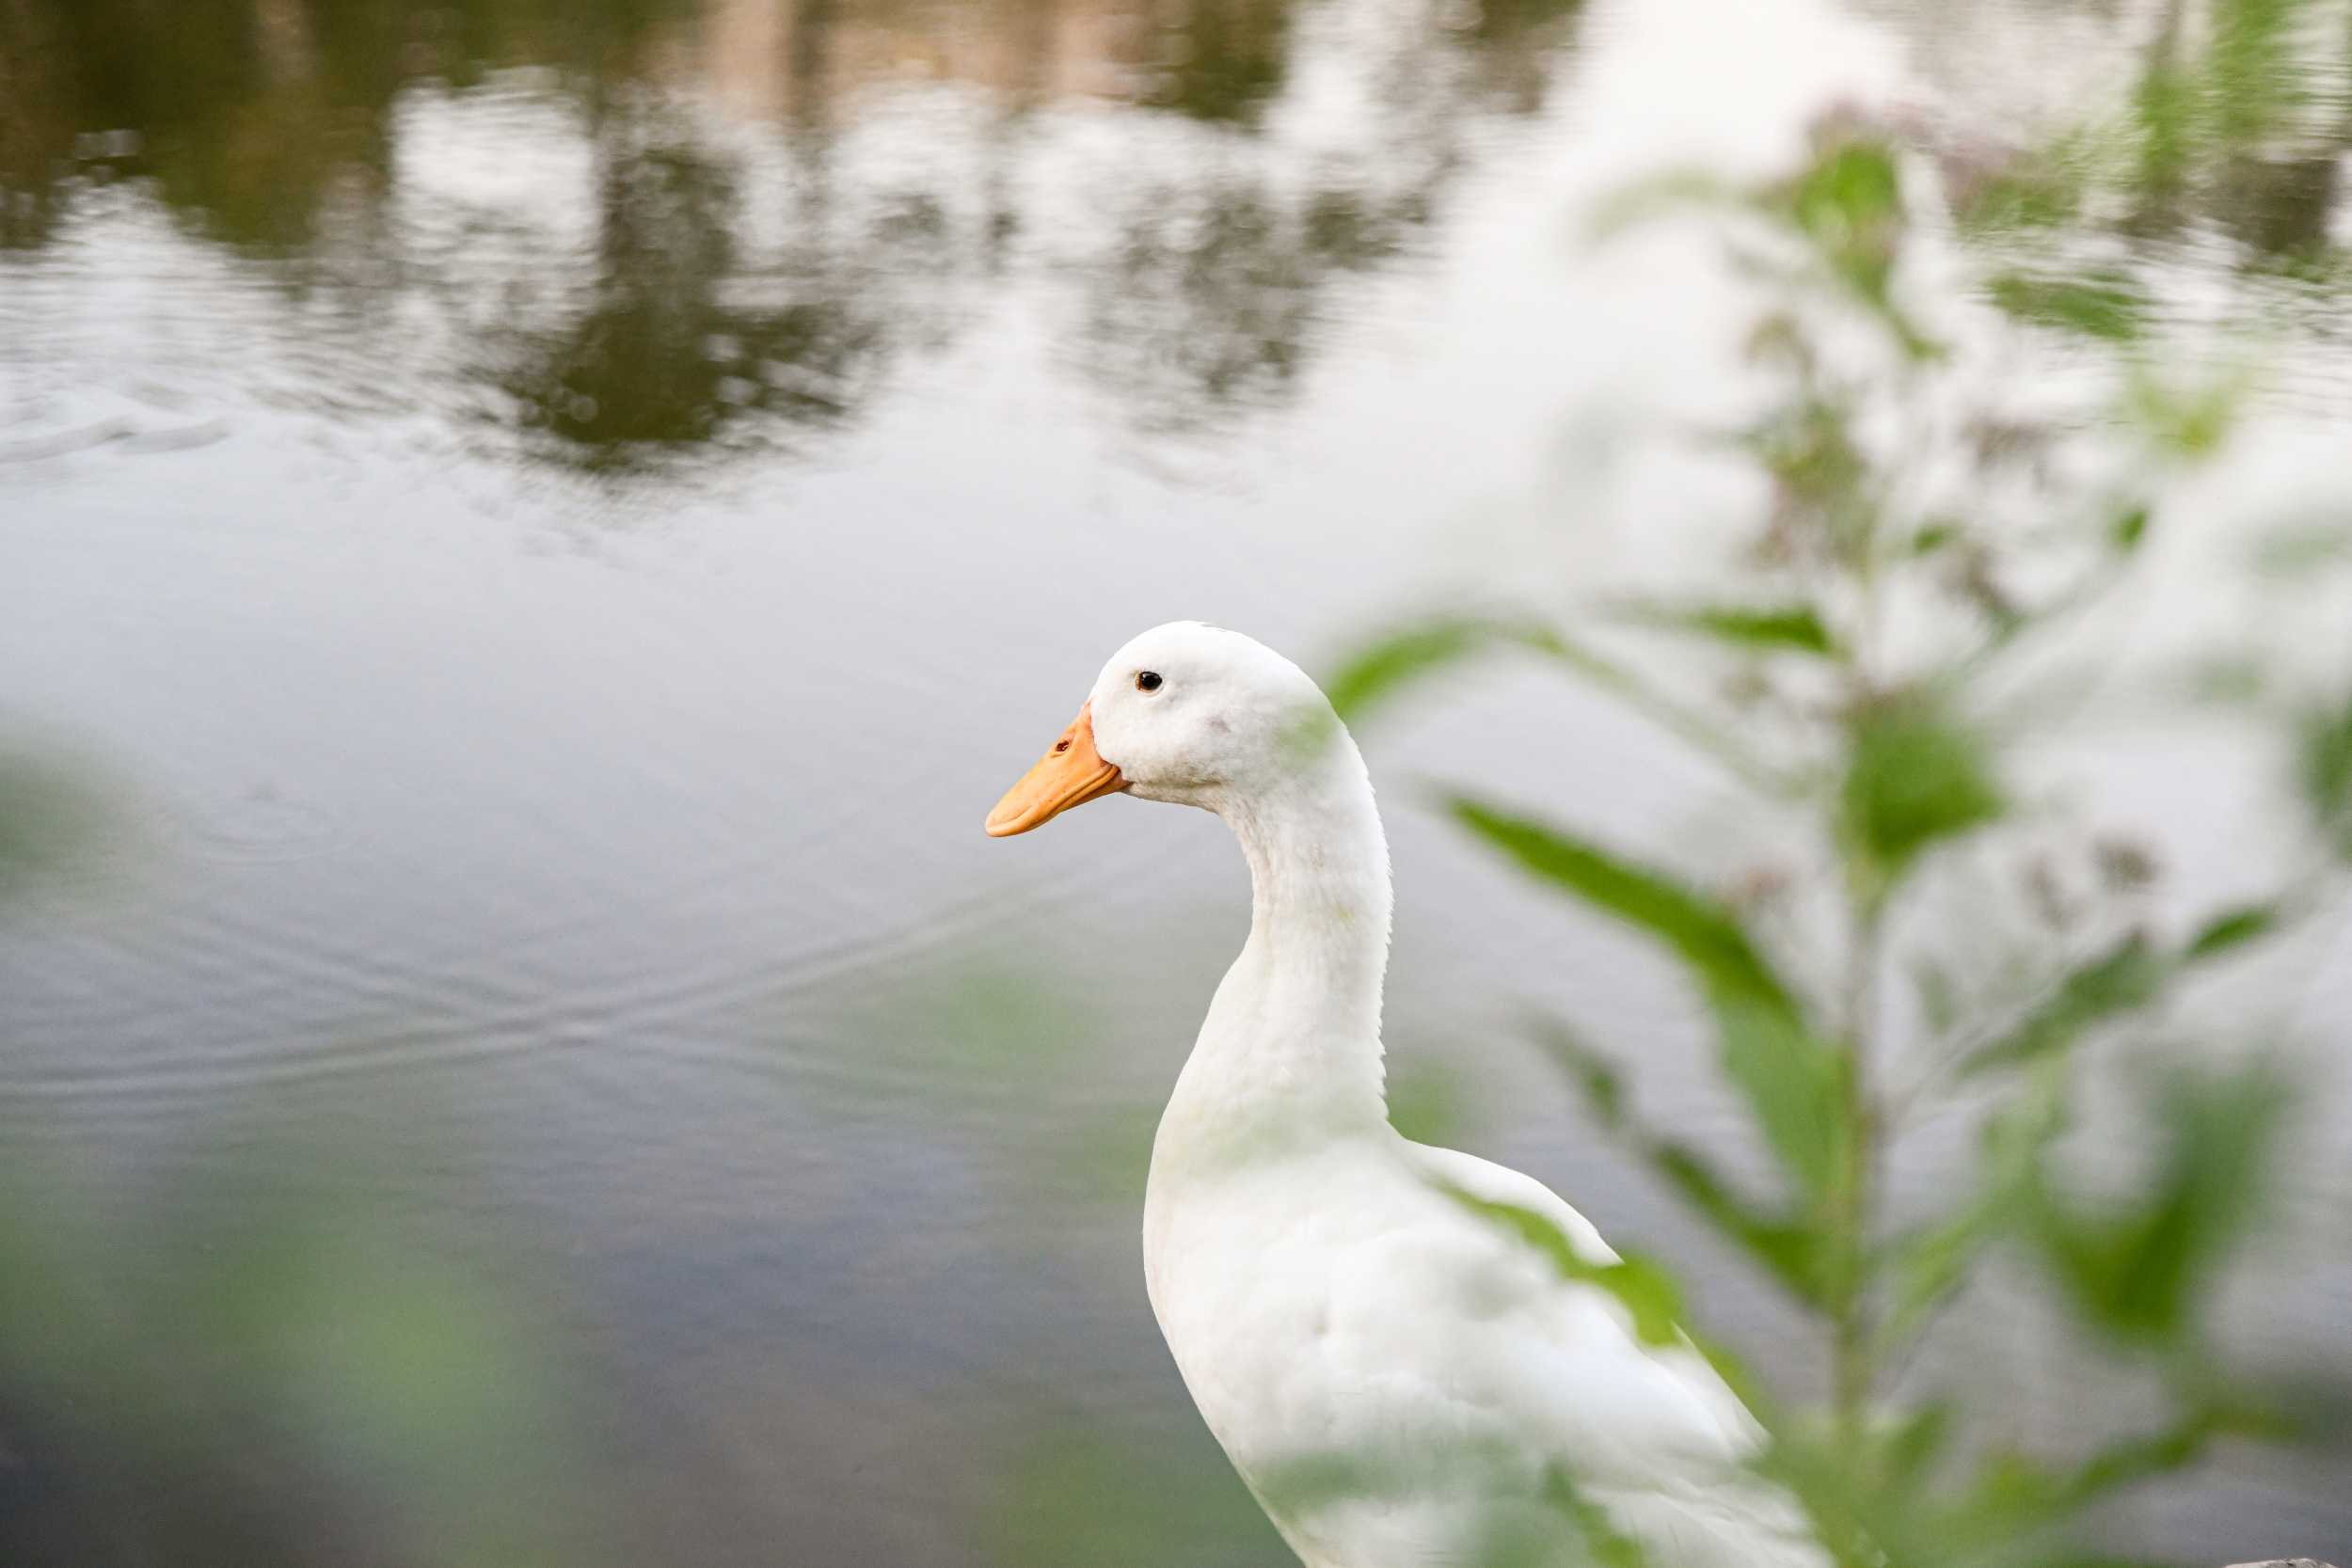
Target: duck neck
(1319, 900)
(1290, 1050)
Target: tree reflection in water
(740, 287)
(679, 344)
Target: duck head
(1186, 713)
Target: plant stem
(1853, 1368)
(1852, 1358)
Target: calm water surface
(542, 528)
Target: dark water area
(531, 533)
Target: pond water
(540, 529)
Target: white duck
(1402, 1381)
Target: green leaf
(2234, 928)
(1646, 1290)
(1793, 1081)
(2013, 1497)
(2108, 305)
(1594, 1076)
(2039, 190)
(1817, 1465)
(2325, 763)
(2140, 1268)
(1928, 1264)
(2191, 422)
(1795, 628)
(2165, 105)
(1605, 1545)
(1932, 537)
(1644, 201)
(1794, 1251)
(1703, 933)
(2134, 1459)
(2251, 70)
(1377, 673)
(1911, 1447)
(1790, 1248)
(1850, 203)
(1915, 777)
(2126, 976)
(2129, 528)
(1809, 449)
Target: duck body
(1400, 1388)
(1402, 1381)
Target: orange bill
(1072, 773)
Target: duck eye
(1147, 680)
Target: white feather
(1403, 1382)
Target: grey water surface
(530, 535)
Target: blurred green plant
(236, 1367)
(51, 817)
(1880, 650)
(2233, 126)
(223, 1372)
(1072, 1499)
